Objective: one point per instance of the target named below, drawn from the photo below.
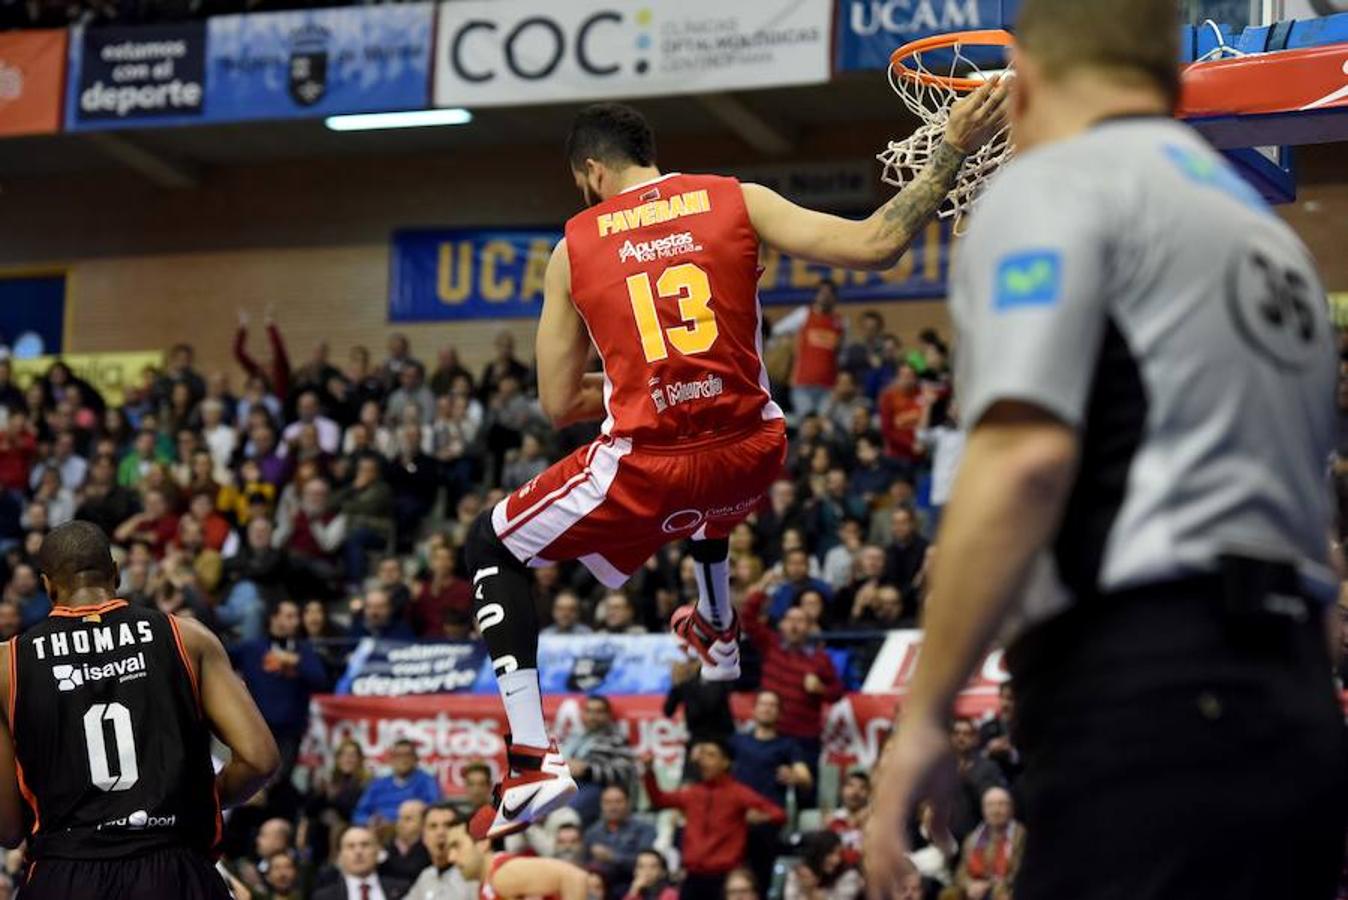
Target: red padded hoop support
(988, 38)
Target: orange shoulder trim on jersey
(79, 612)
(187, 661)
(28, 796)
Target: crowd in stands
(310, 504)
(63, 13)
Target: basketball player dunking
(105, 744)
(660, 273)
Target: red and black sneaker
(718, 650)
(539, 782)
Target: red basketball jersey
(665, 276)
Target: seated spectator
(253, 577)
(69, 466)
(448, 369)
(849, 820)
(477, 785)
(281, 673)
(873, 473)
(312, 537)
(405, 781)
(441, 879)
(828, 510)
(796, 578)
(822, 873)
(56, 500)
(414, 478)
(613, 842)
(881, 608)
(247, 495)
(282, 879)
(783, 512)
(367, 508)
(356, 861)
(275, 837)
(308, 411)
(189, 549)
(599, 756)
(405, 856)
(802, 676)
(939, 435)
(200, 477)
(992, 854)
(411, 392)
(900, 413)
(868, 575)
(816, 611)
(156, 525)
(221, 440)
(11, 623)
(391, 578)
(718, 812)
(844, 401)
(840, 561)
(524, 464)
(25, 592)
(325, 637)
(144, 454)
(741, 885)
(376, 619)
(976, 775)
(335, 792)
(268, 454)
(568, 844)
(617, 616)
(650, 878)
(566, 616)
(995, 737)
(907, 552)
(503, 365)
(103, 501)
(453, 434)
(444, 601)
(772, 765)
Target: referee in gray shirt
(1147, 367)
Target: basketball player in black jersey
(105, 744)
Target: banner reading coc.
(32, 73)
(502, 52)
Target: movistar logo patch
(1030, 278)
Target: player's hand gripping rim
(977, 118)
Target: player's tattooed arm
(905, 214)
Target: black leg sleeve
(502, 599)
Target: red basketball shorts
(611, 506)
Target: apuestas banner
(147, 75)
(610, 664)
(870, 30)
(110, 373)
(893, 669)
(454, 274)
(502, 52)
(455, 730)
(32, 71)
(319, 62)
(396, 668)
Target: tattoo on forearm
(910, 209)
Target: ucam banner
(504, 52)
(454, 274)
(32, 78)
(319, 62)
(870, 30)
(123, 77)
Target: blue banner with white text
(870, 30)
(456, 274)
(379, 668)
(123, 76)
(319, 62)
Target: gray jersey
(1129, 282)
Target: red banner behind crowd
(32, 81)
(453, 730)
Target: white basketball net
(931, 103)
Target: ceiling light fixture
(414, 118)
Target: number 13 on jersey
(688, 283)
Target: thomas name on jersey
(653, 212)
(102, 639)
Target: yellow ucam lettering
(654, 212)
